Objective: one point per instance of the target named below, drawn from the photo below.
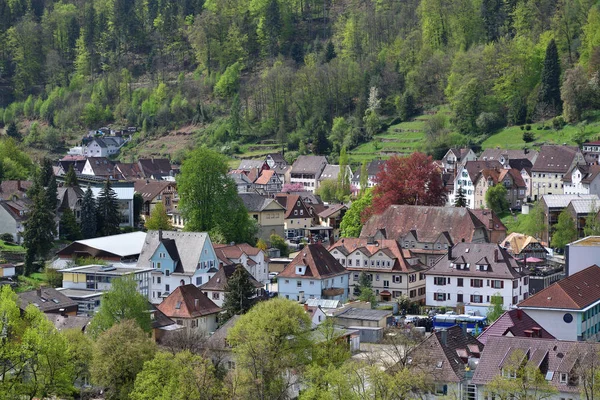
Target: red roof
(573, 292)
(319, 264)
(187, 301)
(513, 323)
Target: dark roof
(150, 189)
(588, 173)
(16, 209)
(154, 167)
(442, 360)
(254, 202)
(513, 323)
(18, 188)
(475, 167)
(102, 166)
(489, 219)
(309, 165)
(77, 165)
(68, 196)
(501, 264)
(521, 164)
(556, 159)
(460, 153)
(159, 319)
(46, 300)
(219, 280)
(495, 154)
(427, 221)
(326, 213)
(129, 170)
(63, 322)
(574, 292)
(319, 264)
(187, 301)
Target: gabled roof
(496, 154)
(513, 322)
(122, 245)
(219, 280)
(247, 165)
(150, 189)
(187, 301)
(129, 171)
(264, 177)
(319, 264)
(254, 202)
(290, 201)
(154, 167)
(574, 292)
(68, 196)
(562, 200)
(459, 153)
(473, 168)
(489, 219)
(588, 172)
(373, 169)
(229, 253)
(46, 300)
(428, 222)
(16, 209)
(330, 172)
(218, 340)
(516, 242)
(555, 159)
(240, 178)
(189, 246)
(326, 213)
(17, 188)
(442, 360)
(501, 264)
(309, 165)
(102, 166)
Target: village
(447, 287)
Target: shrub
(528, 137)
(527, 127)
(488, 122)
(7, 237)
(522, 127)
(558, 122)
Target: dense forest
(312, 75)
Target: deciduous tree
(353, 219)
(565, 230)
(495, 198)
(158, 219)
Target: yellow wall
(75, 278)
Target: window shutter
(471, 298)
(501, 284)
(488, 282)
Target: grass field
(11, 248)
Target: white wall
(552, 321)
(581, 257)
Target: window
(198, 280)
(439, 296)
(312, 282)
(413, 293)
(356, 276)
(158, 280)
(167, 288)
(377, 275)
(439, 280)
(167, 272)
(459, 298)
(477, 283)
(515, 283)
(459, 282)
(396, 293)
(386, 284)
(498, 284)
(215, 296)
(349, 262)
(298, 283)
(287, 281)
(397, 278)
(476, 298)
(509, 373)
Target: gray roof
(189, 245)
(45, 299)
(584, 206)
(330, 172)
(495, 154)
(563, 200)
(254, 202)
(246, 165)
(218, 340)
(364, 314)
(123, 245)
(309, 165)
(556, 159)
(240, 179)
(323, 303)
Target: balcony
(332, 292)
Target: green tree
(495, 198)
(533, 223)
(229, 82)
(549, 94)
(328, 190)
(268, 342)
(40, 228)
(107, 210)
(68, 226)
(592, 224)
(565, 230)
(364, 177)
(279, 243)
(343, 183)
(364, 289)
(495, 309)
(209, 199)
(493, 14)
(353, 219)
(79, 353)
(239, 293)
(51, 194)
(118, 356)
(158, 219)
(122, 302)
(88, 215)
(71, 177)
(13, 131)
(461, 200)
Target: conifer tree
(461, 200)
(71, 177)
(47, 172)
(239, 292)
(12, 131)
(108, 211)
(51, 194)
(69, 228)
(329, 52)
(549, 95)
(364, 289)
(88, 215)
(40, 228)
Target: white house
(373, 169)
(472, 273)
(307, 170)
(456, 158)
(466, 178)
(124, 192)
(582, 179)
(214, 289)
(313, 274)
(7, 270)
(102, 147)
(252, 258)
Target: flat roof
(364, 314)
(79, 293)
(587, 241)
(109, 270)
(123, 245)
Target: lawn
(11, 248)
(31, 282)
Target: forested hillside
(311, 75)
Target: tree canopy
(158, 219)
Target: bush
(528, 137)
(558, 123)
(527, 127)
(7, 237)
(522, 127)
(488, 122)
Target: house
(214, 289)
(331, 218)
(394, 272)
(297, 219)
(455, 158)
(102, 147)
(582, 179)
(242, 182)
(154, 192)
(580, 210)
(306, 171)
(570, 308)
(252, 258)
(13, 214)
(496, 230)
(129, 171)
(447, 358)
(156, 168)
(125, 192)
(562, 364)
(579, 253)
(190, 308)
(268, 183)
(352, 317)
(514, 323)
(161, 324)
(70, 197)
(591, 152)
(314, 274)
(175, 259)
(471, 273)
(268, 214)
(427, 231)
(125, 247)
(316, 314)
(48, 300)
(554, 204)
(68, 322)
(466, 178)
(88, 300)
(551, 166)
(7, 271)
(511, 179)
(101, 167)
(278, 164)
(331, 173)
(98, 277)
(14, 190)
(506, 156)
(77, 162)
(373, 169)
(217, 347)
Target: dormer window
(509, 373)
(563, 378)
(300, 269)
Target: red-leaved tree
(412, 180)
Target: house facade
(298, 218)
(306, 171)
(471, 273)
(551, 166)
(214, 289)
(314, 274)
(155, 192)
(13, 214)
(394, 272)
(190, 308)
(98, 277)
(582, 179)
(455, 158)
(511, 179)
(102, 147)
(466, 178)
(268, 214)
(373, 169)
(268, 183)
(252, 258)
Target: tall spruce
(461, 200)
(51, 194)
(493, 14)
(69, 228)
(239, 293)
(71, 177)
(40, 228)
(108, 211)
(47, 172)
(549, 94)
(89, 226)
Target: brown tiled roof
(331, 210)
(484, 216)
(574, 292)
(554, 158)
(102, 166)
(219, 280)
(46, 300)
(187, 301)
(264, 177)
(318, 261)
(475, 167)
(501, 264)
(154, 167)
(150, 189)
(513, 323)
(18, 188)
(309, 165)
(588, 172)
(495, 154)
(428, 221)
(130, 170)
(442, 361)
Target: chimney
(444, 337)
(196, 304)
(160, 237)
(449, 252)
(528, 333)
(537, 331)
(519, 314)
(305, 307)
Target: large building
(551, 166)
(579, 254)
(268, 214)
(471, 273)
(306, 171)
